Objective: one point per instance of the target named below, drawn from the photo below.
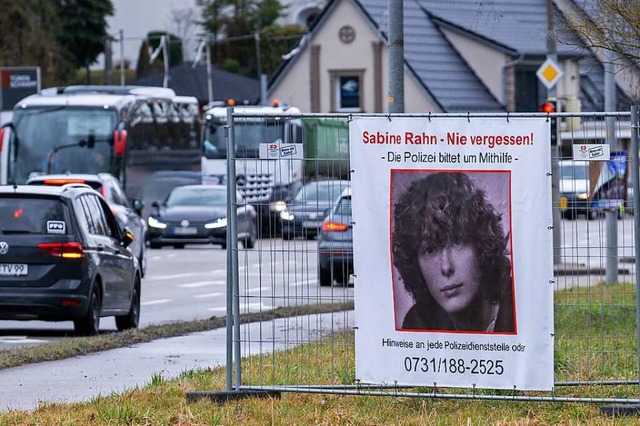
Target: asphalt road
(190, 283)
(187, 284)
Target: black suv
(128, 214)
(63, 257)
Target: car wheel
(326, 280)
(132, 318)
(155, 245)
(223, 246)
(178, 246)
(250, 241)
(89, 325)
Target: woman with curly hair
(451, 251)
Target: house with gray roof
(460, 56)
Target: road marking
(245, 306)
(156, 302)
(185, 275)
(203, 296)
(202, 284)
(18, 340)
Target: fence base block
(623, 410)
(224, 396)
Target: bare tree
(185, 20)
(612, 25)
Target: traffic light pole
(555, 149)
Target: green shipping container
(326, 148)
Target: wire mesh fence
(300, 179)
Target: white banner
(453, 251)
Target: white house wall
(295, 86)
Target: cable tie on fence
(429, 117)
(395, 387)
(507, 117)
(355, 327)
(549, 173)
(552, 281)
(468, 116)
(550, 227)
(389, 117)
(547, 118)
(435, 387)
(350, 118)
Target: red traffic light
(548, 107)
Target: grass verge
(74, 346)
(595, 332)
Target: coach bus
(129, 131)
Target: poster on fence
(453, 251)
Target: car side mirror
(127, 238)
(138, 205)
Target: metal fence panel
(596, 332)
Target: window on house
(530, 92)
(347, 91)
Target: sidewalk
(85, 377)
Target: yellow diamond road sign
(549, 73)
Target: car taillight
(334, 227)
(60, 182)
(1, 138)
(65, 250)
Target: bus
(132, 132)
(266, 182)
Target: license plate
(185, 231)
(310, 224)
(563, 203)
(14, 269)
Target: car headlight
(277, 206)
(155, 223)
(583, 196)
(218, 223)
(286, 215)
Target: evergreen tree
(83, 29)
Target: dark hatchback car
(197, 214)
(128, 213)
(304, 214)
(63, 257)
(335, 243)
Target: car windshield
(320, 191)
(32, 216)
(576, 171)
(197, 196)
(249, 134)
(55, 140)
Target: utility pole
(555, 148)
(209, 77)
(396, 56)
(165, 56)
(122, 79)
(108, 61)
(611, 214)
